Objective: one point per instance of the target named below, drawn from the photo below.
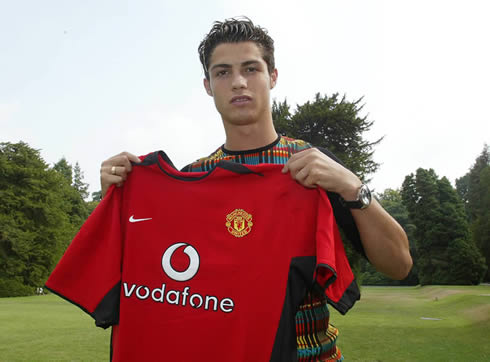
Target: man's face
(240, 83)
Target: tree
(481, 226)
(332, 123)
(96, 198)
(74, 191)
(446, 253)
(97, 195)
(420, 198)
(34, 226)
(474, 188)
(78, 183)
(64, 168)
(469, 187)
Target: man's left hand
(312, 168)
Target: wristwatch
(363, 199)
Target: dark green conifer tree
(446, 252)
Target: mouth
(240, 99)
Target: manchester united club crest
(239, 223)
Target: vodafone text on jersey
(180, 297)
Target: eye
(251, 69)
(221, 73)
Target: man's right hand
(115, 170)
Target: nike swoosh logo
(132, 219)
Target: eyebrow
(228, 66)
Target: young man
(238, 62)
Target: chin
(241, 120)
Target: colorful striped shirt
(277, 152)
(316, 337)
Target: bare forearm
(384, 240)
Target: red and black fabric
(207, 266)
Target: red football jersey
(205, 266)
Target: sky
(88, 80)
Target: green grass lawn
(385, 325)
(48, 328)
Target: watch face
(365, 196)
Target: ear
(274, 78)
(207, 86)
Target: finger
(126, 158)
(106, 180)
(307, 153)
(310, 181)
(123, 161)
(116, 171)
(123, 173)
(301, 155)
(301, 175)
(295, 164)
(307, 172)
(109, 170)
(307, 177)
(298, 176)
(132, 158)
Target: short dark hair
(234, 31)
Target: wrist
(352, 190)
(361, 201)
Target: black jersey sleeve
(343, 216)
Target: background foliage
(474, 190)
(41, 210)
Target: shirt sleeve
(89, 273)
(333, 273)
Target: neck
(250, 136)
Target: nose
(239, 81)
